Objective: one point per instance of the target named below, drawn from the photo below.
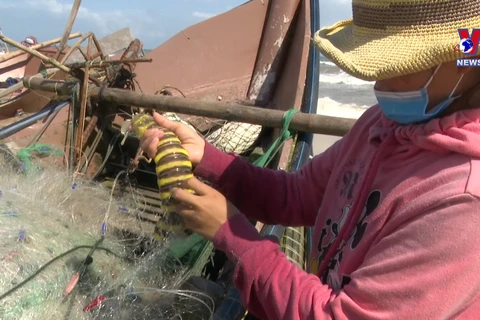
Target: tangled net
(232, 136)
(66, 253)
(235, 137)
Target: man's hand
(191, 141)
(206, 211)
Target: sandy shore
(321, 142)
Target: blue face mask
(411, 106)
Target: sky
(152, 21)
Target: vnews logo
(468, 45)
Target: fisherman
(394, 204)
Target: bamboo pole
(99, 48)
(12, 89)
(83, 111)
(68, 27)
(35, 53)
(35, 47)
(76, 46)
(313, 123)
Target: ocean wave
(328, 63)
(329, 107)
(343, 78)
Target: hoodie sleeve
(426, 268)
(266, 195)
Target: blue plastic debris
(74, 186)
(10, 213)
(104, 229)
(123, 208)
(131, 295)
(22, 235)
(22, 167)
(11, 81)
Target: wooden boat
(16, 65)
(23, 64)
(260, 54)
(23, 100)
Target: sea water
(342, 95)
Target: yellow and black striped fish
(173, 167)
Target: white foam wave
(329, 107)
(343, 78)
(328, 63)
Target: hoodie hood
(458, 133)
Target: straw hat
(388, 38)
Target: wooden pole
(20, 86)
(76, 46)
(83, 111)
(313, 123)
(35, 53)
(68, 27)
(35, 47)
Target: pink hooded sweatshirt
(396, 216)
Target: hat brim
(372, 55)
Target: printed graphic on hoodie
(347, 189)
(331, 274)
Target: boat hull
(25, 100)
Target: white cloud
(104, 22)
(203, 15)
(51, 5)
(47, 19)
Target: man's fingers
(185, 211)
(196, 185)
(150, 146)
(164, 122)
(189, 215)
(185, 197)
(149, 141)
